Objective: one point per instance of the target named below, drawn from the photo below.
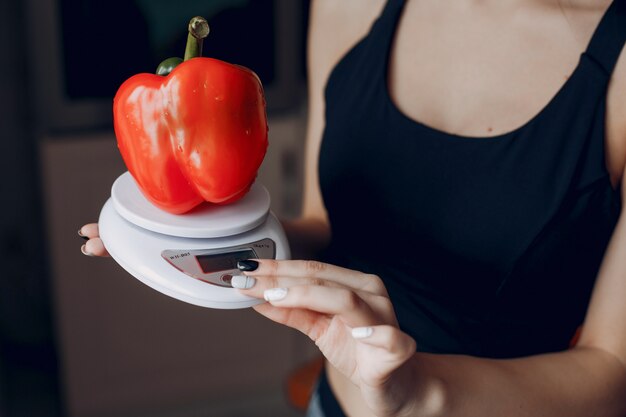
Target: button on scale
(226, 278)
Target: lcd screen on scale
(224, 261)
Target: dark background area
(29, 380)
(102, 44)
(239, 34)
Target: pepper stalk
(198, 30)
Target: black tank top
(488, 246)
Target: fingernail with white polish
(275, 294)
(242, 282)
(362, 332)
(83, 249)
(80, 233)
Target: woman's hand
(347, 314)
(94, 245)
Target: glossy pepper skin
(197, 134)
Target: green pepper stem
(198, 30)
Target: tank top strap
(388, 19)
(391, 9)
(609, 37)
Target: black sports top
(488, 246)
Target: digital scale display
(217, 266)
(223, 261)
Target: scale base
(139, 251)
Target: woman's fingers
(89, 230)
(383, 349)
(256, 287)
(94, 247)
(270, 274)
(314, 269)
(305, 321)
(398, 345)
(342, 302)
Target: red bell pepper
(197, 134)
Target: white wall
(127, 350)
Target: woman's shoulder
(616, 121)
(335, 26)
(346, 15)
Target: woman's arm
(582, 382)
(334, 26)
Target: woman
(471, 172)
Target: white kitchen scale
(193, 256)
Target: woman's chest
(388, 180)
(482, 72)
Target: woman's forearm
(582, 382)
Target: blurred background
(79, 337)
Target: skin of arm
(333, 25)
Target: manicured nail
(362, 332)
(83, 249)
(275, 294)
(247, 265)
(80, 233)
(242, 282)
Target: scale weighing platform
(191, 257)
